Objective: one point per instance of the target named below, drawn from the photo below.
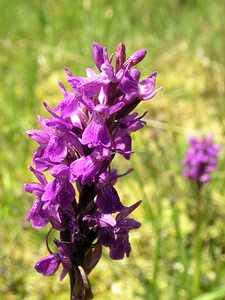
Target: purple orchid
(123, 140)
(143, 90)
(86, 168)
(60, 191)
(50, 264)
(113, 233)
(85, 131)
(38, 216)
(201, 159)
(55, 142)
(107, 199)
(100, 55)
(97, 132)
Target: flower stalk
(198, 242)
(200, 163)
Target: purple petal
(86, 168)
(128, 224)
(67, 194)
(37, 215)
(105, 220)
(48, 265)
(39, 175)
(127, 210)
(62, 88)
(147, 86)
(90, 87)
(148, 96)
(107, 72)
(123, 144)
(150, 81)
(78, 168)
(55, 217)
(43, 124)
(108, 200)
(205, 178)
(72, 141)
(68, 106)
(88, 103)
(91, 73)
(120, 247)
(60, 170)
(51, 191)
(116, 107)
(41, 164)
(34, 188)
(109, 177)
(137, 125)
(60, 191)
(128, 85)
(59, 126)
(95, 134)
(63, 274)
(106, 236)
(56, 149)
(39, 136)
(136, 74)
(98, 55)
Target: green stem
(156, 258)
(72, 282)
(198, 243)
(182, 251)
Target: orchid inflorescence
(77, 144)
(201, 159)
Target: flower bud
(135, 58)
(120, 56)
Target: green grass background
(185, 43)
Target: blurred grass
(185, 43)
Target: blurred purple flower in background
(201, 159)
(76, 146)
